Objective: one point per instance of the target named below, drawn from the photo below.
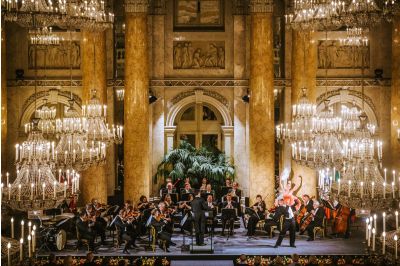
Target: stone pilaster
(395, 95)
(304, 72)
(3, 100)
(169, 134)
(136, 101)
(228, 137)
(261, 114)
(94, 76)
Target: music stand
(230, 214)
(251, 212)
(185, 197)
(184, 247)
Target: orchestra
(187, 211)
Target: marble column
(169, 134)
(94, 76)
(136, 101)
(227, 131)
(262, 134)
(304, 73)
(395, 95)
(3, 100)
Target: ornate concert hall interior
(200, 132)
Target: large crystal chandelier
(362, 14)
(355, 37)
(46, 115)
(91, 14)
(35, 186)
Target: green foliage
(187, 161)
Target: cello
(340, 221)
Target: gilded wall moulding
(261, 6)
(55, 57)
(333, 55)
(209, 93)
(199, 55)
(136, 6)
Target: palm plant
(187, 161)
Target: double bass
(340, 222)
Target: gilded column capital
(136, 6)
(261, 6)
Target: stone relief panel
(332, 55)
(199, 55)
(55, 57)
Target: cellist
(305, 209)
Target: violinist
(125, 231)
(258, 208)
(96, 222)
(228, 204)
(165, 215)
(144, 204)
(84, 230)
(318, 214)
(169, 204)
(159, 223)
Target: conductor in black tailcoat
(289, 223)
(199, 206)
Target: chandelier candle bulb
(375, 217)
(383, 242)
(12, 227)
(22, 229)
(373, 239)
(395, 247)
(384, 221)
(8, 178)
(8, 253)
(369, 235)
(29, 227)
(65, 189)
(33, 241)
(32, 191)
(384, 171)
(9, 191)
(16, 152)
(21, 242)
(29, 246)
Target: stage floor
(236, 245)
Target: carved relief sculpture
(332, 55)
(197, 55)
(55, 57)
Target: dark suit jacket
(319, 216)
(158, 225)
(281, 210)
(198, 205)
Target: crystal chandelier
(73, 149)
(362, 186)
(355, 37)
(46, 116)
(44, 36)
(362, 14)
(90, 14)
(35, 186)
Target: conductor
(199, 206)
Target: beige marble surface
(3, 100)
(136, 108)
(395, 97)
(94, 180)
(304, 70)
(262, 136)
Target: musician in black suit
(169, 189)
(235, 191)
(289, 223)
(307, 203)
(318, 213)
(85, 232)
(212, 208)
(259, 208)
(125, 231)
(199, 206)
(228, 204)
(159, 224)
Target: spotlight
(246, 97)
